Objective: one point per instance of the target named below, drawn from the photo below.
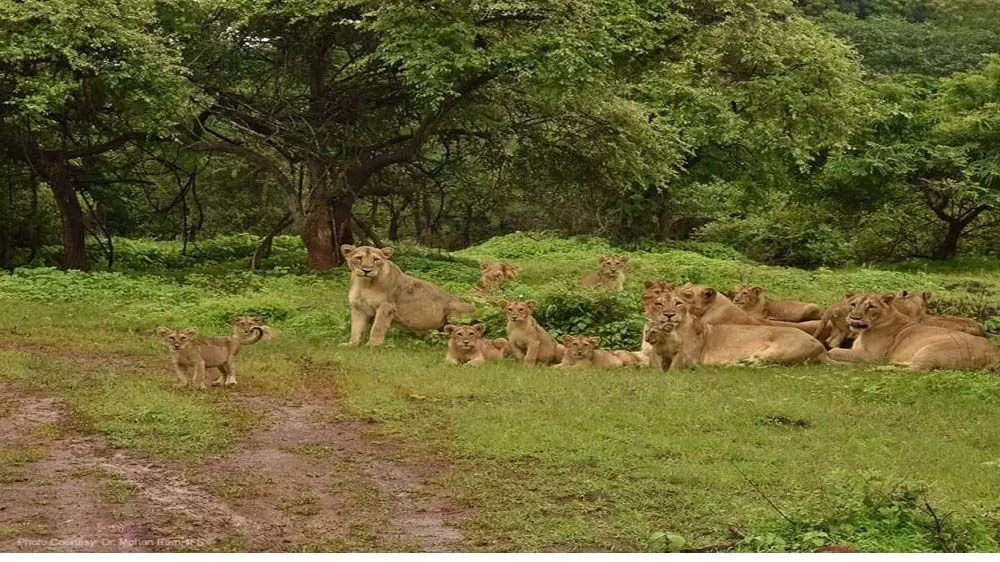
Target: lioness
(712, 307)
(581, 351)
(380, 289)
(466, 345)
(610, 273)
(914, 306)
(527, 341)
(833, 328)
(491, 274)
(699, 343)
(653, 293)
(191, 355)
(885, 333)
(754, 302)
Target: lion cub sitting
(191, 355)
(610, 273)
(527, 341)
(491, 274)
(581, 351)
(466, 345)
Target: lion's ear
(708, 294)
(757, 290)
(887, 298)
(479, 328)
(161, 331)
(386, 252)
(602, 259)
(594, 340)
(567, 340)
(191, 331)
(347, 250)
(531, 305)
(926, 295)
(484, 266)
(904, 293)
(647, 284)
(849, 294)
(624, 259)
(670, 287)
(449, 330)
(503, 305)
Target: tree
(79, 79)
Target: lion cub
(466, 345)
(527, 341)
(581, 351)
(191, 355)
(754, 302)
(610, 273)
(491, 274)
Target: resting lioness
(380, 289)
(610, 273)
(491, 274)
(527, 341)
(885, 333)
(191, 355)
(699, 343)
(712, 307)
(914, 306)
(466, 345)
(833, 328)
(581, 351)
(754, 302)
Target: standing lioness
(381, 290)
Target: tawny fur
(833, 328)
(492, 274)
(653, 293)
(701, 343)
(884, 333)
(712, 307)
(527, 341)
(467, 346)
(754, 302)
(380, 290)
(610, 273)
(581, 351)
(191, 355)
(914, 306)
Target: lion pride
(381, 290)
(884, 333)
(682, 339)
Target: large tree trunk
(59, 176)
(948, 247)
(317, 224)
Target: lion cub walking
(191, 355)
(581, 351)
(467, 346)
(610, 273)
(527, 341)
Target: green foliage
(876, 514)
(536, 244)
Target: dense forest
(807, 133)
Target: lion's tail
(260, 333)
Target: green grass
(546, 459)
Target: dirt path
(310, 479)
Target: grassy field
(503, 457)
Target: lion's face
(912, 304)
(465, 337)
(580, 347)
(511, 271)
(491, 273)
(612, 266)
(244, 325)
(518, 310)
(868, 309)
(747, 297)
(698, 298)
(366, 262)
(659, 332)
(177, 340)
